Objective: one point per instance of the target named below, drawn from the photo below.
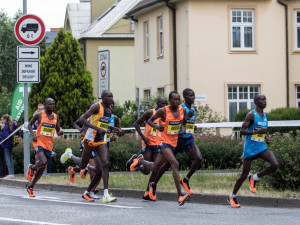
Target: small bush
(286, 148)
(220, 152)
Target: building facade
(226, 51)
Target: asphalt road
(69, 208)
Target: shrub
(220, 152)
(286, 149)
(241, 115)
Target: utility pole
(26, 131)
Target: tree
(64, 78)
(8, 48)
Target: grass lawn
(200, 183)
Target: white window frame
(238, 100)
(297, 26)
(146, 39)
(160, 36)
(161, 91)
(242, 25)
(297, 99)
(147, 94)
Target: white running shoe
(108, 199)
(93, 196)
(64, 157)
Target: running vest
(151, 132)
(190, 123)
(172, 127)
(100, 120)
(111, 124)
(45, 132)
(255, 143)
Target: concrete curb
(168, 196)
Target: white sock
(255, 177)
(86, 192)
(105, 192)
(69, 154)
(232, 195)
(187, 178)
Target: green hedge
(217, 152)
(287, 151)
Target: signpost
(29, 30)
(103, 71)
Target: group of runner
(168, 130)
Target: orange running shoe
(30, 173)
(135, 162)
(183, 198)
(29, 189)
(129, 162)
(185, 183)
(87, 197)
(152, 191)
(83, 173)
(252, 184)
(72, 173)
(146, 196)
(233, 202)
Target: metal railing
(73, 133)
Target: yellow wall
(294, 56)
(98, 7)
(156, 72)
(213, 65)
(122, 74)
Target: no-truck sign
(103, 71)
(30, 29)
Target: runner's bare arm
(36, 116)
(249, 120)
(94, 109)
(160, 114)
(59, 131)
(144, 118)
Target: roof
(144, 5)
(50, 35)
(79, 16)
(112, 15)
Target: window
(147, 94)
(297, 39)
(298, 96)
(160, 51)
(242, 29)
(161, 91)
(241, 97)
(146, 38)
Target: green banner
(17, 101)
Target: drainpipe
(286, 52)
(174, 44)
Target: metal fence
(73, 133)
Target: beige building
(98, 25)
(226, 51)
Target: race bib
(174, 127)
(153, 131)
(108, 135)
(190, 126)
(103, 123)
(258, 137)
(47, 129)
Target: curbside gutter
(169, 196)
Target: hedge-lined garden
(217, 152)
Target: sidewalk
(167, 196)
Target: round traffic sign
(103, 69)
(30, 29)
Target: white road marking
(29, 221)
(52, 199)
